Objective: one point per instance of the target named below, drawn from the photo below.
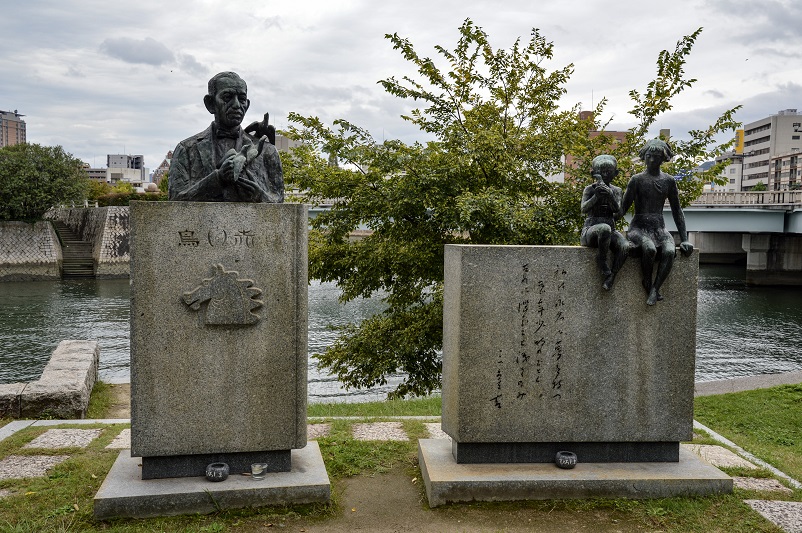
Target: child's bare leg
(663, 269)
(648, 253)
(603, 233)
(618, 248)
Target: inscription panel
(535, 351)
(218, 327)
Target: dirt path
(395, 502)
(121, 403)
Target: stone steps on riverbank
(77, 261)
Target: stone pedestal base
(125, 494)
(195, 465)
(446, 481)
(544, 452)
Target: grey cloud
(74, 72)
(754, 108)
(188, 63)
(147, 51)
(785, 96)
(272, 22)
(714, 93)
(770, 51)
(766, 21)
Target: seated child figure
(601, 201)
(647, 232)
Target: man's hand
(226, 169)
(686, 248)
(248, 190)
(231, 167)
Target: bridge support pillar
(717, 247)
(774, 259)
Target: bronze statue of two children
(647, 236)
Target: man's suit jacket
(193, 162)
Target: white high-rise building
(764, 140)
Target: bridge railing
(762, 198)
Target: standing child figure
(647, 233)
(601, 201)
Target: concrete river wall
(32, 252)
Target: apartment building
(12, 128)
(127, 162)
(732, 173)
(765, 140)
(785, 172)
(121, 168)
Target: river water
(740, 331)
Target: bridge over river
(762, 229)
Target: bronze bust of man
(223, 163)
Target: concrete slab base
(125, 494)
(446, 481)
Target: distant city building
(158, 174)
(12, 128)
(128, 162)
(285, 144)
(571, 162)
(121, 168)
(732, 173)
(786, 173)
(768, 142)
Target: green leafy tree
(96, 189)
(123, 187)
(498, 133)
(34, 178)
(760, 187)
(163, 183)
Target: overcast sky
(100, 77)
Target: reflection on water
(36, 316)
(745, 331)
(740, 331)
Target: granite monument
(529, 374)
(218, 330)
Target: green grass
(429, 406)
(765, 422)
(100, 400)
(62, 501)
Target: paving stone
(314, 431)
(785, 515)
(753, 483)
(22, 466)
(64, 438)
(379, 431)
(435, 431)
(122, 441)
(719, 456)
